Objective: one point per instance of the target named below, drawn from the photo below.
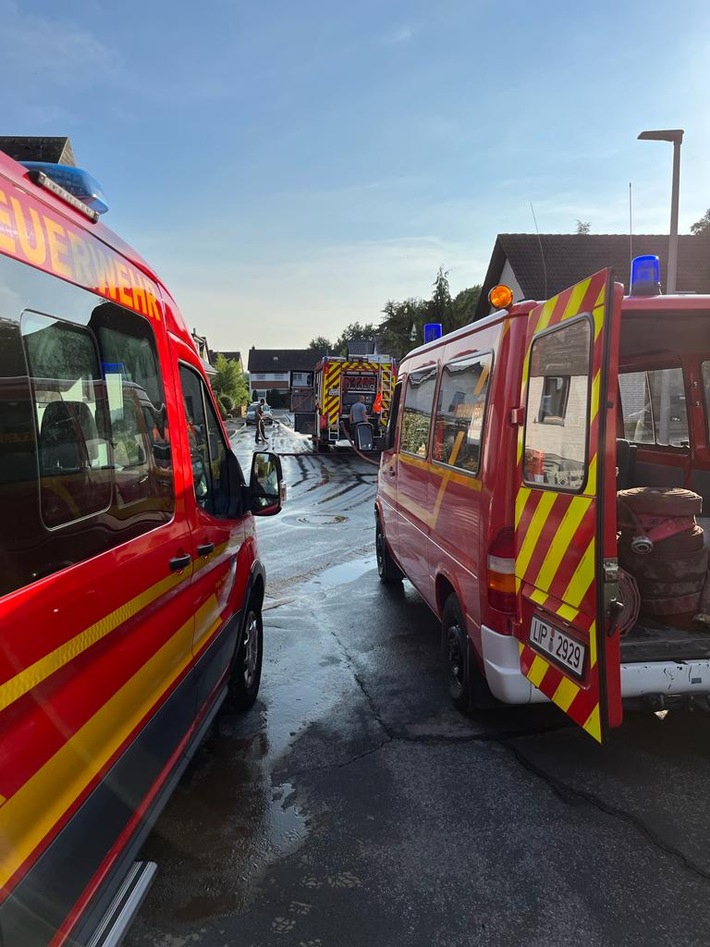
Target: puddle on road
(340, 575)
(227, 824)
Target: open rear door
(565, 519)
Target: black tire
(388, 571)
(245, 677)
(468, 688)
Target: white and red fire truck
(338, 382)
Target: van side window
(653, 407)
(460, 409)
(208, 449)
(391, 433)
(97, 424)
(557, 413)
(85, 460)
(416, 414)
(70, 416)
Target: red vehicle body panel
(439, 521)
(98, 658)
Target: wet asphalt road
(354, 806)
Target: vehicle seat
(85, 419)
(626, 464)
(61, 447)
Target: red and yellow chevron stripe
(331, 393)
(556, 532)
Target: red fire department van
(130, 581)
(508, 444)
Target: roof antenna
(542, 253)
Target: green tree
(402, 327)
(583, 226)
(320, 344)
(463, 307)
(439, 308)
(230, 380)
(355, 332)
(402, 320)
(701, 226)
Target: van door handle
(180, 562)
(205, 549)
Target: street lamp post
(676, 136)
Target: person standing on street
(260, 437)
(358, 415)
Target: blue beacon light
(645, 276)
(82, 185)
(432, 331)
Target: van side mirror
(267, 490)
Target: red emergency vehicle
(130, 581)
(508, 442)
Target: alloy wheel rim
(251, 649)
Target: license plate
(564, 649)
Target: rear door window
(557, 414)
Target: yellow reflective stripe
(574, 514)
(582, 578)
(567, 613)
(40, 803)
(32, 676)
(520, 501)
(537, 670)
(538, 596)
(566, 692)
(599, 312)
(593, 645)
(593, 724)
(575, 300)
(448, 475)
(533, 532)
(547, 309)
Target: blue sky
(288, 167)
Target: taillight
(501, 571)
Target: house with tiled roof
(281, 369)
(539, 266)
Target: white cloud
(289, 302)
(402, 34)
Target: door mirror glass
(266, 484)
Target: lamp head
(665, 134)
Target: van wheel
(387, 569)
(468, 688)
(246, 670)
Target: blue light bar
(432, 331)
(77, 182)
(645, 276)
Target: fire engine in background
(338, 383)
